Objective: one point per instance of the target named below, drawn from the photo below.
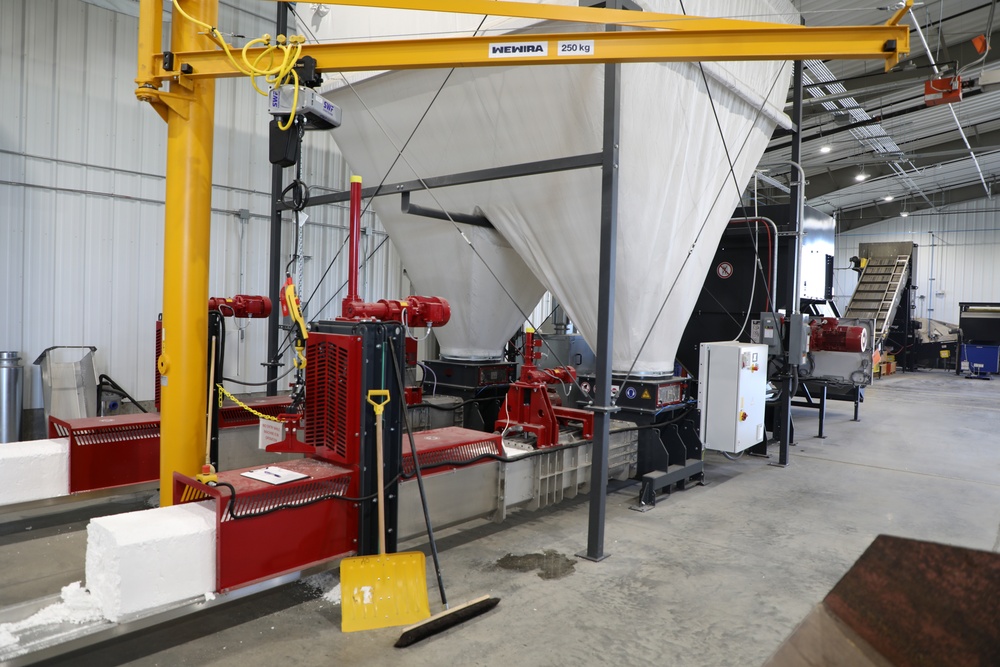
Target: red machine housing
(264, 530)
(529, 407)
(108, 452)
(444, 449)
(333, 385)
(827, 334)
(316, 521)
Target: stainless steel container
(11, 396)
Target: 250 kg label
(576, 47)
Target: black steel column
(605, 308)
(783, 411)
(274, 277)
(822, 412)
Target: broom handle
(211, 395)
(381, 489)
(420, 480)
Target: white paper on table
(274, 475)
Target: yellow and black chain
(225, 392)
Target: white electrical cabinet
(732, 383)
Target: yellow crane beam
(882, 42)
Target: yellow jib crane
(199, 54)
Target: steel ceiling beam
(878, 211)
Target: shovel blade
(383, 591)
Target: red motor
(415, 311)
(241, 305)
(831, 336)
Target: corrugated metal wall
(81, 197)
(956, 258)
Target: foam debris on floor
(326, 584)
(76, 606)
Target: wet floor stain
(550, 564)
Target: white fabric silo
(676, 191)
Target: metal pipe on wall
(930, 282)
(11, 396)
(772, 294)
(187, 239)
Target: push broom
(450, 617)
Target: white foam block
(34, 470)
(142, 560)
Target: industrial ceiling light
(888, 198)
(904, 213)
(825, 148)
(861, 176)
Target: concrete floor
(715, 575)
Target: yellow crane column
(189, 109)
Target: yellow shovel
(388, 589)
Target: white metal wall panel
(82, 187)
(956, 259)
(12, 198)
(540, 314)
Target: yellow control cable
(291, 48)
(295, 103)
(265, 40)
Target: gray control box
(768, 332)
(798, 338)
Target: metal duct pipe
(11, 395)
(772, 305)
